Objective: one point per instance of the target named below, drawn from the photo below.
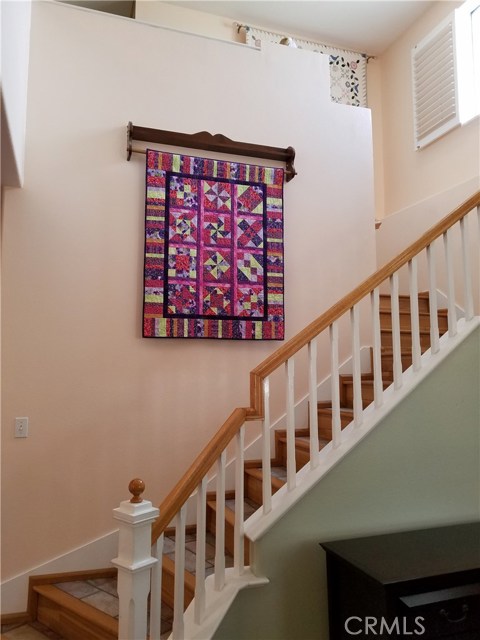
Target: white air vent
(435, 93)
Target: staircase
(410, 337)
(76, 618)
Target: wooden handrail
(207, 458)
(198, 469)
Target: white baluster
(414, 315)
(291, 463)
(377, 348)
(134, 561)
(238, 534)
(200, 551)
(335, 378)
(396, 335)
(357, 368)
(266, 450)
(156, 591)
(313, 403)
(179, 587)
(220, 524)
(432, 299)
(467, 275)
(452, 314)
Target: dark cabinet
(418, 584)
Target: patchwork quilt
(213, 249)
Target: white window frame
(468, 73)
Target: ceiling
(124, 8)
(369, 26)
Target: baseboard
(14, 618)
(96, 554)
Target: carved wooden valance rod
(208, 142)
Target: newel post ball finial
(136, 488)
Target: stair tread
(328, 411)
(303, 442)
(256, 472)
(406, 312)
(78, 607)
(407, 331)
(249, 507)
(367, 378)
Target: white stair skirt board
(282, 500)
(96, 554)
(217, 603)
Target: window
(446, 75)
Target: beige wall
(104, 404)
(411, 176)
(417, 469)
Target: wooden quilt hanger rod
(209, 142)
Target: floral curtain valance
(348, 69)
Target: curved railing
(455, 268)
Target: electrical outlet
(21, 427)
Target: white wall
(104, 404)
(15, 35)
(419, 468)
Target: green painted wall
(420, 467)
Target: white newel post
(134, 561)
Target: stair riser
(405, 340)
(168, 589)
(301, 456)
(387, 363)
(325, 423)
(404, 303)
(67, 624)
(347, 395)
(229, 533)
(253, 489)
(406, 323)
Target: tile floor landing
(32, 631)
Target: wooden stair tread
(366, 378)
(345, 413)
(406, 312)
(229, 514)
(249, 508)
(425, 332)
(78, 608)
(257, 473)
(387, 351)
(303, 443)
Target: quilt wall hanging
(213, 249)
(348, 69)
